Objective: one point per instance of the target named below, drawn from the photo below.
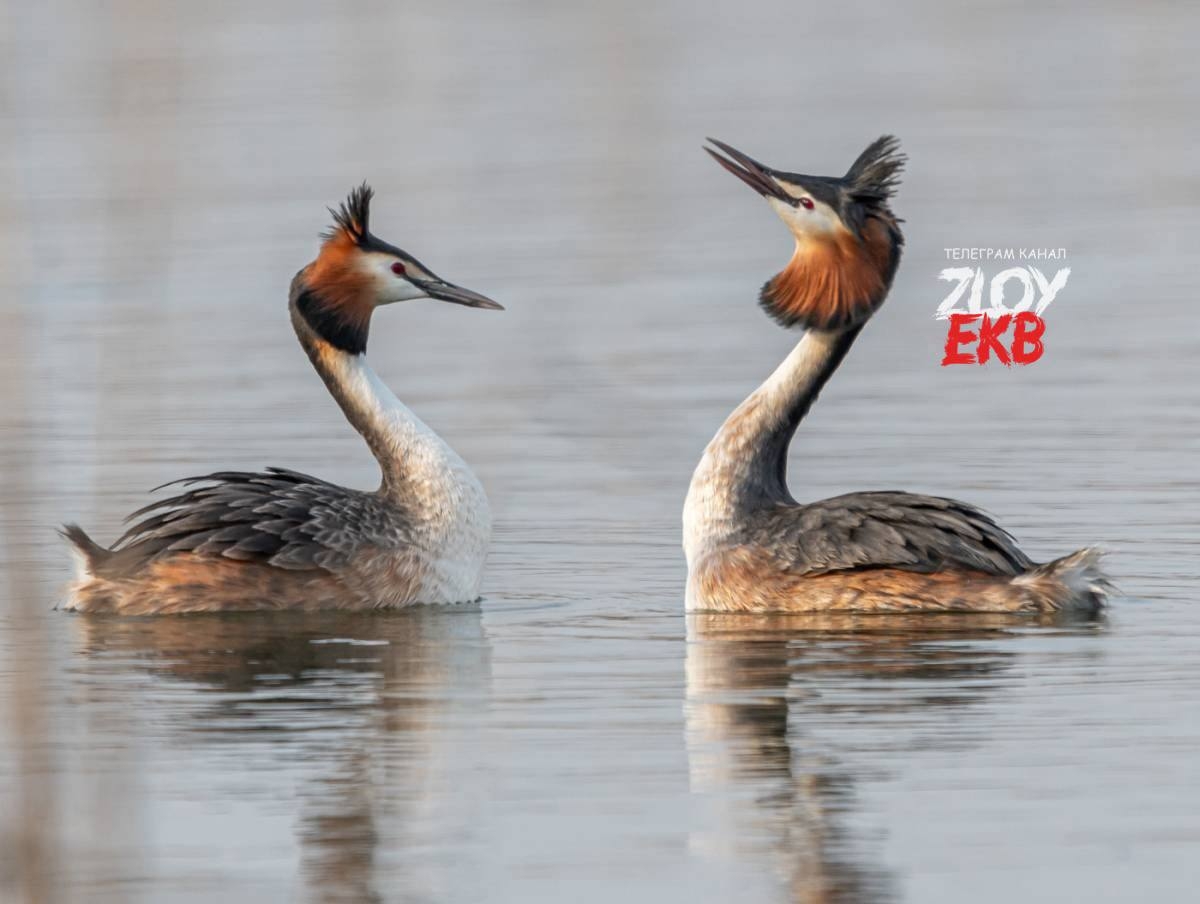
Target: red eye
(806, 203)
(398, 268)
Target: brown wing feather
(277, 517)
(887, 529)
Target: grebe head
(353, 261)
(357, 272)
(847, 238)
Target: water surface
(574, 737)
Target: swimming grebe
(282, 540)
(749, 545)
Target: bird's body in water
(749, 545)
(284, 540)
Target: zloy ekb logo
(976, 333)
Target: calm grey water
(573, 737)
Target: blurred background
(164, 170)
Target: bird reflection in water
(775, 702)
(365, 709)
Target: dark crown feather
(873, 178)
(353, 216)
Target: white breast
(451, 518)
(459, 534)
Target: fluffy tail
(89, 554)
(1075, 582)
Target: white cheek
(802, 221)
(388, 287)
(398, 289)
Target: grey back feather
(278, 517)
(886, 530)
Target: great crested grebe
(282, 540)
(749, 545)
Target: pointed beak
(444, 291)
(749, 170)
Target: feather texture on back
(278, 517)
(885, 529)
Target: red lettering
(959, 335)
(1026, 346)
(1028, 331)
(989, 339)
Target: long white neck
(409, 453)
(744, 467)
(420, 472)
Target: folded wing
(887, 530)
(278, 517)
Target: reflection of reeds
(756, 683)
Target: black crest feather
(873, 178)
(353, 216)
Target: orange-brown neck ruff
(837, 282)
(333, 295)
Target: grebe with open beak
(283, 540)
(749, 545)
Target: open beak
(444, 291)
(749, 170)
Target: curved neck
(745, 465)
(406, 449)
